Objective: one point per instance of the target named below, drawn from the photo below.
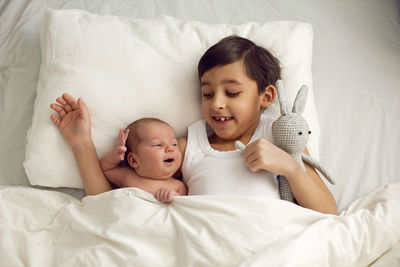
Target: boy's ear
(268, 96)
(132, 160)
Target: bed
(355, 79)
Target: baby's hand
(120, 148)
(112, 158)
(263, 155)
(165, 195)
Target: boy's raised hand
(73, 119)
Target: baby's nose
(169, 148)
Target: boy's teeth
(223, 119)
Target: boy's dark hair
(260, 65)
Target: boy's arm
(307, 187)
(310, 191)
(92, 176)
(73, 122)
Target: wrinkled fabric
(129, 227)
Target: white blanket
(128, 227)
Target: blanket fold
(129, 227)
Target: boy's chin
(225, 135)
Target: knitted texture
(284, 189)
(290, 133)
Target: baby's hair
(260, 65)
(133, 138)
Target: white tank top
(207, 171)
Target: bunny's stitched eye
(309, 132)
(300, 133)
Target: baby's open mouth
(222, 118)
(169, 160)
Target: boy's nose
(218, 102)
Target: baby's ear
(300, 101)
(132, 160)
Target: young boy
(152, 155)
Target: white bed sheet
(356, 70)
(128, 227)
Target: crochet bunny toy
(290, 133)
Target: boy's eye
(232, 94)
(158, 145)
(175, 144)
(207, 95)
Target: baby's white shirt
(207, 171)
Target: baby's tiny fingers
(120, 137)
(162, 195)
(157, 195)
(167, 196)
(171, 195)
(126, 133)
(121, 149)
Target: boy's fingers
(70, 100)
(249, 149)
(64, 104)
(59, 109)
(83, 109)
(54, 119)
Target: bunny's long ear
(300, 101)
(285, 108)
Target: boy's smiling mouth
(221, 118)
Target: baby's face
(157, 154)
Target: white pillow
(127, 68)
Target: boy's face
(231, 104)
(157, 155)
